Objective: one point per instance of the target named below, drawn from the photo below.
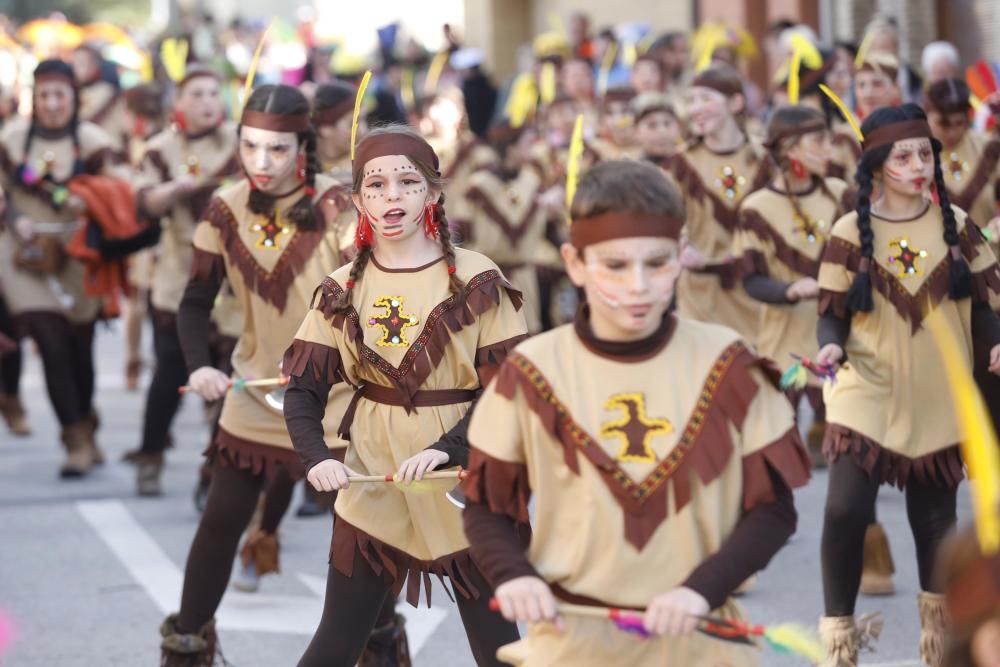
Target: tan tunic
(713, 186)
(888, 393)
(273, 286)
(844, 153)
(651, 477)
(62, 293)
(773, 241)
(458, 161)
(507, 224)
(405, 330)
(105, 107)
(972, 172)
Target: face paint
(394, 195)
(270, 159)
(909, 169)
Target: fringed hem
(943, 467)
(396, 566)
(494, 355)
(482, 292)
(831, 301)
(791, 257)
(503, 486)
(703, 450)
(255, 457)
(324, 360)
(787, 457)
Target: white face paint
(395, 195)
(270, 159)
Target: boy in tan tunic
(895, 262)
(683, 489)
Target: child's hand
(330, 475)
(830, 356)
(25, 227)
(414, 467)
(528, 600)
(807, 288)
(691, 257)
(995, 360)
(674, 613)
(209, 383)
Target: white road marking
(162, 580)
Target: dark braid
(303, 213)
(960, 286)
(859, 296)
(357, 269)
(455, 284)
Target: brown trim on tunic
(572, 598)
(690, 180)
(482, 292)
(980, 176)
(204, 264)
(623, 352)
(463, 153)
(157, 161)
(512, 230)
(425, 398)
(99, 116)
(917, 216)
(396, 566)
(272, 286)
(325, 361)
(791, 257)
(786, 457)
(728, 273)
(414, 269)
(704, 448)
(256, 457)
(502, 486)
(943, 467)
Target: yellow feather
(357, 110)
(975, 102)
(797, 640)
(845, 112)
(811, 56)
(252, 71)
(606, 64)
(523, 99)
(866, 42)
(406, 89)
(173, 53)
(793, 75)
(573, 161)
(547, 83)
(979, 444)
(434, 72)
(708, 50)
(631, 54)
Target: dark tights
(850, 507)
(67, 352)
(352, 606)
(231, 501)
(10, 363)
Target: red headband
(332, 115)
(616, 225)
(276, 122)
(890, 134)
(393, 143)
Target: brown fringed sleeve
(312, 369)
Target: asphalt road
(88, 570)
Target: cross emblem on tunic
(634, 428)
(394, 323)
(271, 230)
(810, 231)
(904, 258)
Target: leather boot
(259, 556)
(79, 452)
(13, 413)
(843, 638)
(195, 649)
(933, 627)
(387, 646)
(148, 468)
(878, 568)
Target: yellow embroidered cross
(270, 231)
(634, 428)
(810, 231)
(904, 257)
(729, 182)
(394, 323)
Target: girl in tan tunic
(714, 174)
(418, 326)
(267, 236)
(896, 261)
(44, 289)
(101, 103)
(783, 229)
(332, 106)
(579, 417)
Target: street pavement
(88, 570)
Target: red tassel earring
(431, 221)
(364, 236)
(302, 167)
(798, 169)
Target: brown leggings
(353, 603)
(67, 352)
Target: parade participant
(43, 287)
(101, 102)
(647, 75)
(332, 105)
(617, 129)
(715, 172)
(507, 222)
(419, 326)
(11, 358)
(658, 131)
(783, 229)
(894, 262)
(613, 459)
(182, 167)
(267, 237)
(875, 82)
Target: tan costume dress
(775, 242)
(459, 160)
(416, 351)
(972, 174)
(273, 270)
(104, 106)
(636, 482)
(713, 186)
(886, 409)
(845, 152)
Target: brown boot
(843, 638)
(876, 575)
(13, 413)
(387, 646)
(93, 422)
(79, 451)
(933, 627)
(147, 474)
(259, 556)
(196, 649)
(814, 444)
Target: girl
(332, 106)
(895, 261)
(649, 495)
(783, 229)
(419, 326)
(715, 173)
(658, 132)
(267, 236)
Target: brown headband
(332, 115)
(275, 122)
(197, 72)
(975, 593)
(890, 134)
(727, 88)
(616, 225)
(393, 143)
(798, 131)
(56, 76)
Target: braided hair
(282, 99)
(434, 181)
(859, 296)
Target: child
(655, 496)
(658, 132)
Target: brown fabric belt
(726, 273)
(572, 598)
(427, 398)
